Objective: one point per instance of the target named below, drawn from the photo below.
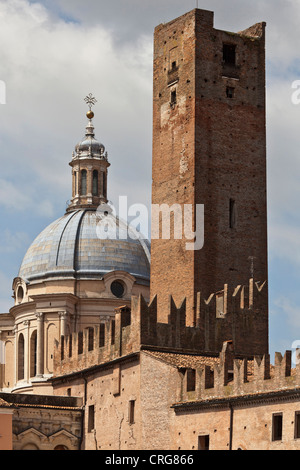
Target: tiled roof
(4, 404)
(189, 361)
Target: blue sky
(53, 53)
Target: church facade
(174, 356)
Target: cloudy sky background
(54, 52)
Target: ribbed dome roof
(89, 145)
(70, 247)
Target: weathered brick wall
(251, 427)
(209, 149)
(159, 387)
(109, 389)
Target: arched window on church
(21, 357)
(83, 182)
(95, 183)
(33, 346)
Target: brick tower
(209, 148)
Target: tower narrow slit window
(131, 411)
(232, 213)
(173, 97)
(91, 418)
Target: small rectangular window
(229, 54)
(191, 380)
(230, 92)
(277, 427)
(91, 418)
(203, 442)
(297, 425)
(131, 411)
(173, 98)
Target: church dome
(75, 246)
(71, 247)
(89, 145)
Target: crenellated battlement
(232, 377)
(236, 314)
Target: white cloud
(50, 65)
(289, 310)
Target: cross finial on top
(90, 101)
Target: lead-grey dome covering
(70, 247)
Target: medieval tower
(209, 148)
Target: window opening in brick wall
(173, 98)
(277, 427)
(230, 92)
(191, 380)
(297, 425)
(131, 411)
(203, 442)
(91, 418)
(229, 54)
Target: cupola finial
(90, 101)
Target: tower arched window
(83, 182)
(95, 183)
(21, 347)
